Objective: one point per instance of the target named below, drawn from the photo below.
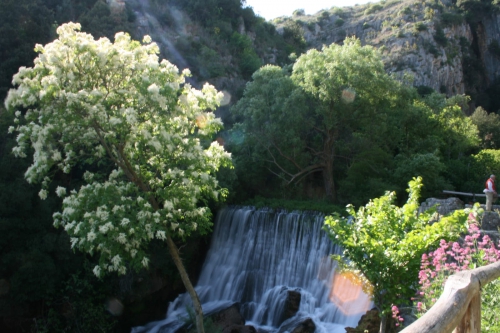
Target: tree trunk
(172, 248)
(383, 324)
(174, 252)
(329, 158)
(328, 180)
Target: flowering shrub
(452, 257)
(86, 101)
(384, 244)
(398, 320)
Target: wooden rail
(458, 309)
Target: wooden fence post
(471, 321)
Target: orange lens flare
(201, 121)
(347, 293)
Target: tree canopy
(328, 112)
(137, 131)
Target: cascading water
(256, 256)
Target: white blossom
(122, 238)
(91, 236)
(97, 271)
(60, 191)
(42, 194)
(116, 260)
(168, 205)
(74, 240)
(145, 261)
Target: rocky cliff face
(488, 35)
(426, 43)
(430, 41)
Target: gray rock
(444, 206)
(292, 304)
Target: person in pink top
(490, 191)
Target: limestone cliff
(430, 40)
(428, 43)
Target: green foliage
(294, 205)
(84, 299)
(424, 90)
(299, 12)
(449, 19)
(406, 11)
(339, 22)
(485, 163)
(490, 303)
(384, 243)
(210, 65)
(293, 34)
(271, 102)
(101, 21)
(372, 8)
(458, 132)
(474, 10)
(419, 27)
(488, 125)
(249, 62)
(208, 323)
(429, 13)
(440, 36)
(338, 11)
(334, 97)
(428, 165)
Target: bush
(453, 257)
(418, 27)
(449, 19)
(299, 12)
(339, 22)
(373, 8)
(440, 37)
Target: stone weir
(270, 271)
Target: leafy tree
(384, 244)
(249, 62)
(90, 102)
(330, 122)
(456, 134)
(488, 125)
(275, 127)
(353, 93)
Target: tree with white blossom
(85, 101)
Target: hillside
(443, 45)
(448, 46)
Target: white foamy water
(256, 256)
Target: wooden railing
(458, 309)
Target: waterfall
(256, 256)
